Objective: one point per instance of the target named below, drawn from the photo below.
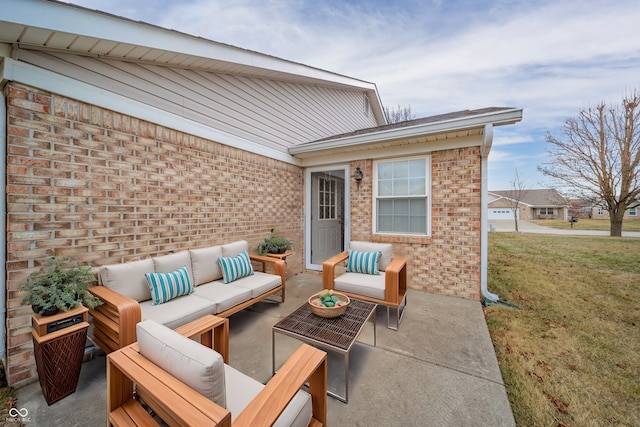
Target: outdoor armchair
(166, 375)
(372, 274)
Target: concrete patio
(438, 369)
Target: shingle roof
(421, 121)
(541, 197)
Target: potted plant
(54, 287)
(274, 244)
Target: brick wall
(102, 188)
(455, 246)
(447, 262)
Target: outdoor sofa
(186, 286)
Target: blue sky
(550, 58)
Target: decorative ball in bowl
(329, 303)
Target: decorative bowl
(329, 312)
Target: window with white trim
(633, 211)
(401, 196)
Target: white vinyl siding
(276, 114)
(401, 193)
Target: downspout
(484, 213)
(3, 211)
(5, 52)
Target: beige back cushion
(233, 249)
(128, 278)
(204, 263)
(172, 262)
(385, 248)
(199, 367)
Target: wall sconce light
(357, 175)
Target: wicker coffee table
(337, 334)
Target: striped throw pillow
(166, 286)
(236, 267)
(363, 262)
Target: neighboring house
(126, 140)
(598, 212)
(581, 208)
(533, 204)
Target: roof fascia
(77, 20)
(496, 118)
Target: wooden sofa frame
(395, 286)
(178, 404)
(114, 322)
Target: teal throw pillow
(166, 286)
(236, 267)
(363, 262)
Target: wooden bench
(177, 404)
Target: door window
(327, 188)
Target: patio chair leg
(399, 314)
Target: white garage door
(502, 213)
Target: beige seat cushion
(241, 390)
(128, 278)
(200, 367)
(258, 283)
(361, 284)
(178, 311)
(385, 248)
(224, 295)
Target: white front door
(325, 215)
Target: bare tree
(402, 114)
(599, 157)
(517, 192)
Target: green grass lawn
(588, 224)
(569, 355)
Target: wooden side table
(58, 344)
(281, 256)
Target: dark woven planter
(59, 362)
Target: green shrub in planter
(273, 244)
(54, 287)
